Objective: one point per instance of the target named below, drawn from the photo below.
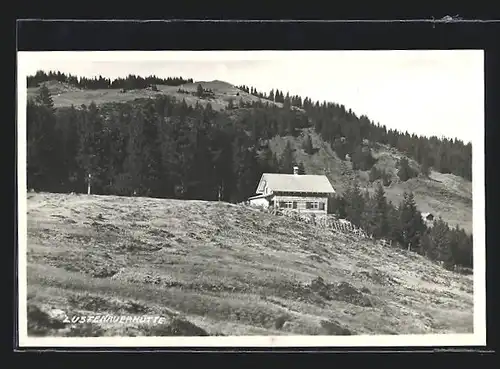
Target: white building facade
(303, 193)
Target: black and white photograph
(251, 198)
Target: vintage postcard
(260, 198)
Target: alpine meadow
(138, 203)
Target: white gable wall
(260, 202)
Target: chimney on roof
(296, 170)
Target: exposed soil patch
(342, 291)
(332, 327)
(40, 323)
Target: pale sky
(425, 92)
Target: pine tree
(90, 149)
(199, 91)
(267, 163)
(185, 157)
(151, 153)
(369, 218)
(394, 222)
(381, 228)
(271, 95)
(245, 171)
(203, 173)
(412, 225)
(461, 247)
(287, 159)
(426, 246)
(355, 204)
(134, 162)
(454, 242)
(405, 172)
(286, 102)
(68, 149)
(425, 167)
(290, 122)
(44, 98)
(167, 146)
(441, 243)
(42, 145)
(114, 156)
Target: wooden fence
(386, 243)
(329, 222)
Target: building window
(263, 186)
(288, 204)
(315, 205)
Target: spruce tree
(287, 159)
(271, 95)
(267, 161)
(381, 228)
(425, 245)
(151, 153)
(44, 98)
(412, 225)
(91, 146)
(369, 218)
(245, 172)
(199, 91)
(441, 243)
(339, 205)
(134, 162)
(425, 167)
(405, 172)
(354, 204)
(394, 222)
(42, 146)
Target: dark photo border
(71, 35)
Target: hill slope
(445, 195)
(217, 268)
(65, 95)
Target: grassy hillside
(445, 195)
(65, 95)
(216, 268)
